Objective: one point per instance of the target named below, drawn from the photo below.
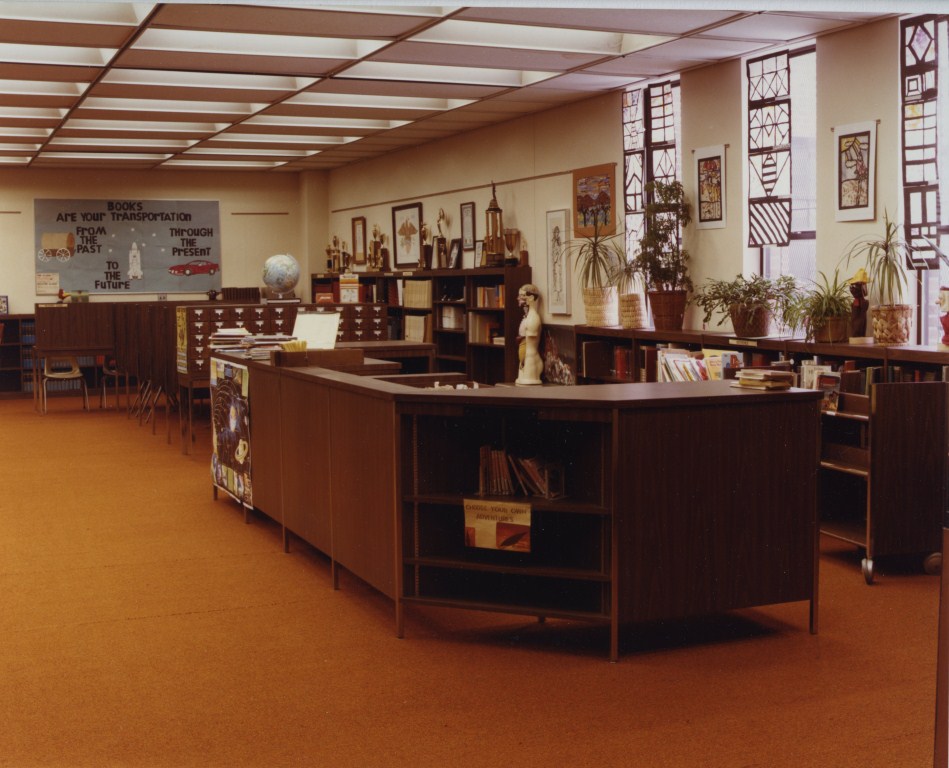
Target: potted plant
(884, 258)
(750, 303)
(824, 310)
(661, 259)
(596, 257)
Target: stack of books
(764, 378)
(259, 346)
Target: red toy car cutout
(197, 267)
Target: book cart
(883, 470)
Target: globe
(281, 273)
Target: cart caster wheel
(932, 563)
(866, 566)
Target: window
(650, 148)
(925, 93)
(782, 163)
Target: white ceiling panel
(294, 86)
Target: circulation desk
(680, 499)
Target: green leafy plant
(884, 259)
(815, 307)
(661, 259)
(597, 256)
(748, 296)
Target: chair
(63, 369)
(109, 370)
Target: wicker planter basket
(668, 309)
(834, 329)
(750, 324)
(601, 306)
(891, 323)
(632, 313)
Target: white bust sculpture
(531, 365)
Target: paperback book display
(502, 474)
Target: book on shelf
(483, 329)
(680, 365)
(489, 296)
(417, 294)
(418, 328)
(829, 383)
(504, 474)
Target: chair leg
(85, 394)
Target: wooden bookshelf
(460, 311)
(16, 355)
(883, 485)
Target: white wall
(261, 214)
(857, 81)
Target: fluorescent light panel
(238, 109)
(151, 126)
(121, 14)
(258, 45)
(59, 55)
(208, 80)
(316, 99)
(91, 141)
(42, 88)
(507, 78)
(103, 156)
(324, 122)
(238, 164)
(281, 138)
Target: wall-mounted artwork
(558, 264)
(594, 200)
(359, 240)
(468, 226)
(710, 182)
(128, 246)
(855, 166)
(406, 234)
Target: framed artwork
(468, 226)
(594, 200)
(454, 254)
(479, 253)
(4, 305)
(406, 234)
(359, 240)
(710, 182)
(558, 263)
(855, 167)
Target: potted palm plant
(884, 258)
(597, 257)
(661, 259)
(824, 310)
(750, 303)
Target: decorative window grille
(650, 148)
(924, 69)
(781, 146)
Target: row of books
(503, 474)
(489, 296)
(680, 365)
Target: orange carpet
(144, 624)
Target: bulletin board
(128, 246)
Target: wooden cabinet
(883, 470)
(567, 570)
(629, 541)
(16, 359)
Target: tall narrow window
(650, 148)
(782, 160)
(925, 102)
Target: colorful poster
(230, 430)
(498, 525)
(129, 246)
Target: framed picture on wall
(454, 254)
(710, 182)
(406, 234)
(594, 200)
(4, 305)
(468, 226)
(558, 263)
(479, 253)
(359, 240)
(855, 171)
